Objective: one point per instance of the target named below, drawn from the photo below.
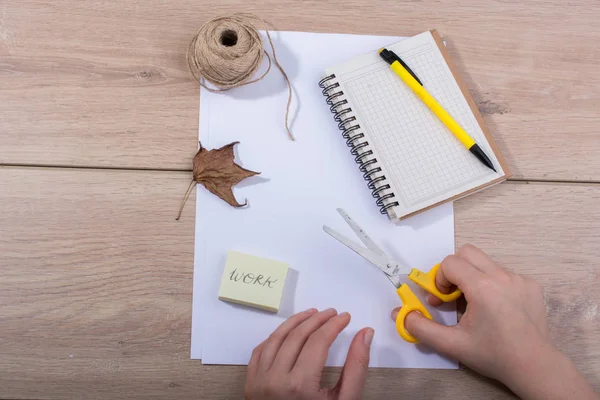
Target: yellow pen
(411, 80)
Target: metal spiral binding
(353, 135)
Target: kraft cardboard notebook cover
(409, 158)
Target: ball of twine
(227, 51)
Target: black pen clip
(389, 57)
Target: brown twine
(227, 51)
(187, 194)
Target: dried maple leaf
(217, 172)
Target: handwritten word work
(253, 281)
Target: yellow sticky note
(253, 281)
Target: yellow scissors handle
(410, 303)
(427, 282)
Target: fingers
(463, 270)
(455, 270)
(447, 340)
(291, 347)
(479, 259)
(354, 373)
(434, 301)
(273, 343)
(253, 365)
(315, 351)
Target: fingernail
(330, 310)
(369, 337)
(311, 311)
(395, 312)
(344, 314)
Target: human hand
(289, 364)
(505, 320)
(504, 332)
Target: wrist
(548, 374)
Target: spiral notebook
(409, 159)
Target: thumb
(354, 373)
(441, 338)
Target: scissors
(395, 271)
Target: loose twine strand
(186, 196)
(227, 51)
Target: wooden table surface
(98, 124)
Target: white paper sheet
(301, 185)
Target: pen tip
(477, 152)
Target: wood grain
(96, 282)
(96, 285)
(104, 83)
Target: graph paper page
(423, 161)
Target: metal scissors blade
(379, 260)
(362, 235)
(372, 253)
(351, 244)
